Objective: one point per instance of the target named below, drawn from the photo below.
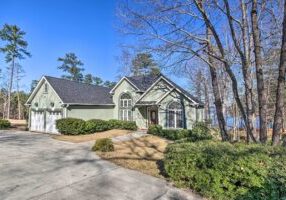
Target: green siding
(138, 115)
(191, 113)
(44, 100)
(90, 112)
(157, 92)
(141, 117)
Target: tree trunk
(246, 72)
(218, 104)
(10, 88)
(259, 74)
(217, 98)
(244, 57)
(18, 94)
(207, 101)
(279, 105)
(227, 67)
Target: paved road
(34, 166)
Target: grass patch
(91, 137)
(143, 154)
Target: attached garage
(37, 121)
(50, 121)
(44, 121)
(55, 98)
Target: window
(125, 107)
(46, 88)
(175, 115)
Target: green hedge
(199, 132)
(171, 134)
(96, 125)
(227, 171)
(103, 145)
(73, 126)
(119, 124)
(4, 124)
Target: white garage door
(51, 118)
(37, 121)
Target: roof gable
(143, 82)
(72, 92)
(38, 87)
(119, 83)
(183, 91)
(175, 86)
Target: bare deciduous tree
(278, 117)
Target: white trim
(88, 104)
(144, 94)
(164, 96)
(175, 113)
(119, 82)
(168, 82)
(176, 88)
(34, 91)
(38, 87)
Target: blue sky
(55, 27)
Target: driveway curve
(35, 166)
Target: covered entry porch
(172, 115)
(148, 114)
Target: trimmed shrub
(200, 131)
(171, 134)
(119, 124)
(71, 126)
(113, 124)
(4, 124)
(96, 125)
(103, 145)
(155, 130)
(227, 171)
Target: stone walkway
(134, 135)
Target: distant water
(240, 123)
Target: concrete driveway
(35, 166)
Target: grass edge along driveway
(92, 137)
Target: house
(150, 99)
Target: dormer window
(46, 88)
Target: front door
(153, 117)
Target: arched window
(175, 115)
(125, 107)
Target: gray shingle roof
(73, 92)
(143, 82)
